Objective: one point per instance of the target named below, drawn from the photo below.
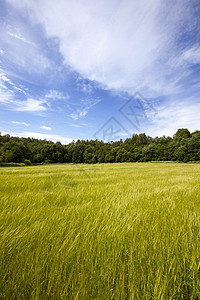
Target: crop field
(113, 231)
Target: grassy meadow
(113, 231)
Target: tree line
(183, 147)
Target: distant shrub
(27, 162)
(47, 161)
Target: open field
(114, 231)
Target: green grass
(114, 231)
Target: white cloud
(56, 95)
(124, 134)
(17, 36)
(175, 115)
(7, 98)
(124, 45)
(75, 125)
(46, 127)
(127, 45)
(20, 123)
(6, 80)
(37, 135)
(192, 55)
(10, 99)
(85, 85)
(83, 108)
(3, 86)
(74, 116)
(30, 105)
(28, 54)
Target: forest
(182, 147)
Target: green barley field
(113, 231)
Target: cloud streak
(20, 123)
(45, 127)
(83, 107)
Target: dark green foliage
(182, 134)
(183, 147)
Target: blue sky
(99, 69)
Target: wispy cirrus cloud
(26, 52)
(75, 125)
(28, 57)
(8, 83)
(191, 55)
(20, 123)
(81, 110)
(86, 86)
(57, 95)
